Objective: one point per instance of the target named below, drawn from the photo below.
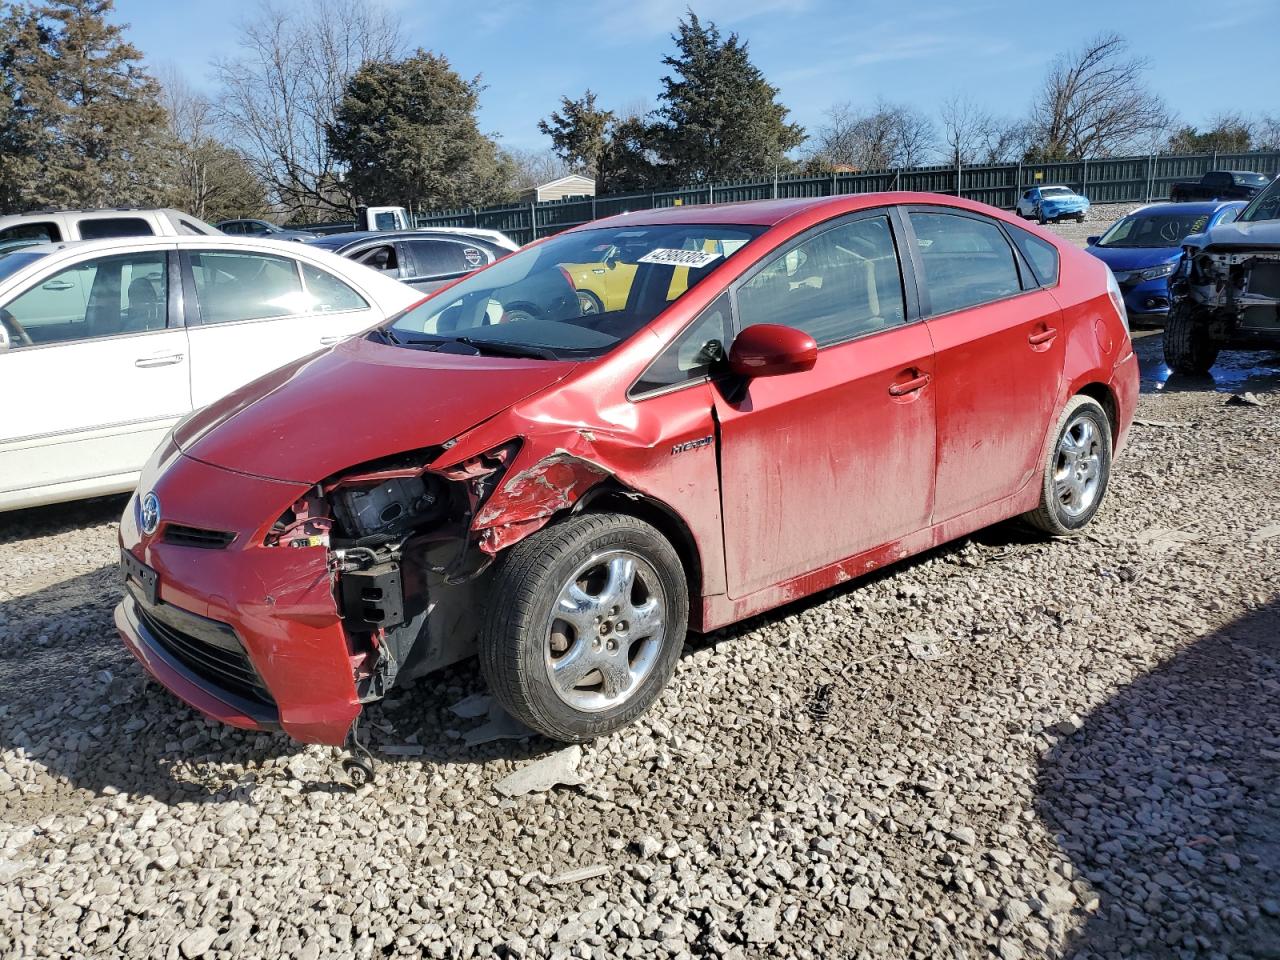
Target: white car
(106, 344)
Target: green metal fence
(1114, 180)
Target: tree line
(324, 107)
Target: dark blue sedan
(1143, 250)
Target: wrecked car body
(1226, 291)
(568, 491)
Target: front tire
(585, 623)
(1077, 468)
(1188, 347)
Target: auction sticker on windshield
(697, 259)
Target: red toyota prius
(659, 422)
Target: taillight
(1117, 298)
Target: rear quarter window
(1040, 253)
(101, 228)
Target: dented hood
(357, 402)
(1263, 234)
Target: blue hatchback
(1143, 250)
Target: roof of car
(334, 241)
(769, 213)
(214, 239)
(1190, 206)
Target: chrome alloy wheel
(606, 631)
(1077, 473)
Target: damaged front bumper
(1235, 291)
(269, 604)
(248, 635)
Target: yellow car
(604, 286)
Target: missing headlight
(390, 508)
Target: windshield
(11, 263)
(1055, 192)
(576, 296)
(1265, 206)
(1154, 229)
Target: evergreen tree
(406, 131)
(82, 125)
(579, 133)
(719, 118)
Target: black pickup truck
(1221, 185)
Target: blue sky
(819, 52)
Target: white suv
(54, 226)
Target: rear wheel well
(1102, 393)
(612, 498)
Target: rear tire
(589, 304)
(1188, 348)
(572, 644)
(1077, 469)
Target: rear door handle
(909, 386)
(330, 341)
(163, 360)
(57, 285)
(1044, 336)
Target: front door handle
(904, 387)
(57, 285)
(163, 360)
(330, 341)
(1043, 336)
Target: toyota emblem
(150, 513)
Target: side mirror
(4, 339)
(770, 349)
(1092, 241)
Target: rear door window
(1041, 254)
(246, 286)
(35, 230)
(327, 294)
(104, 297)
(967, 261)
(438, 259)
(101, 228)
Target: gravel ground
(1006, 747)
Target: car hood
(1061, 201)
(1135, 258)
(360, 401)
(1261, 233)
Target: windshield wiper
(508, 349)
(497, 348)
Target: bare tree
(1266, 135)
(206, 177)
(533, 168)
(889, 135)
(279, 95)
(965, 127)
(1094, 102)
(1006, 140)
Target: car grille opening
(217, 656)
(184, 536)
